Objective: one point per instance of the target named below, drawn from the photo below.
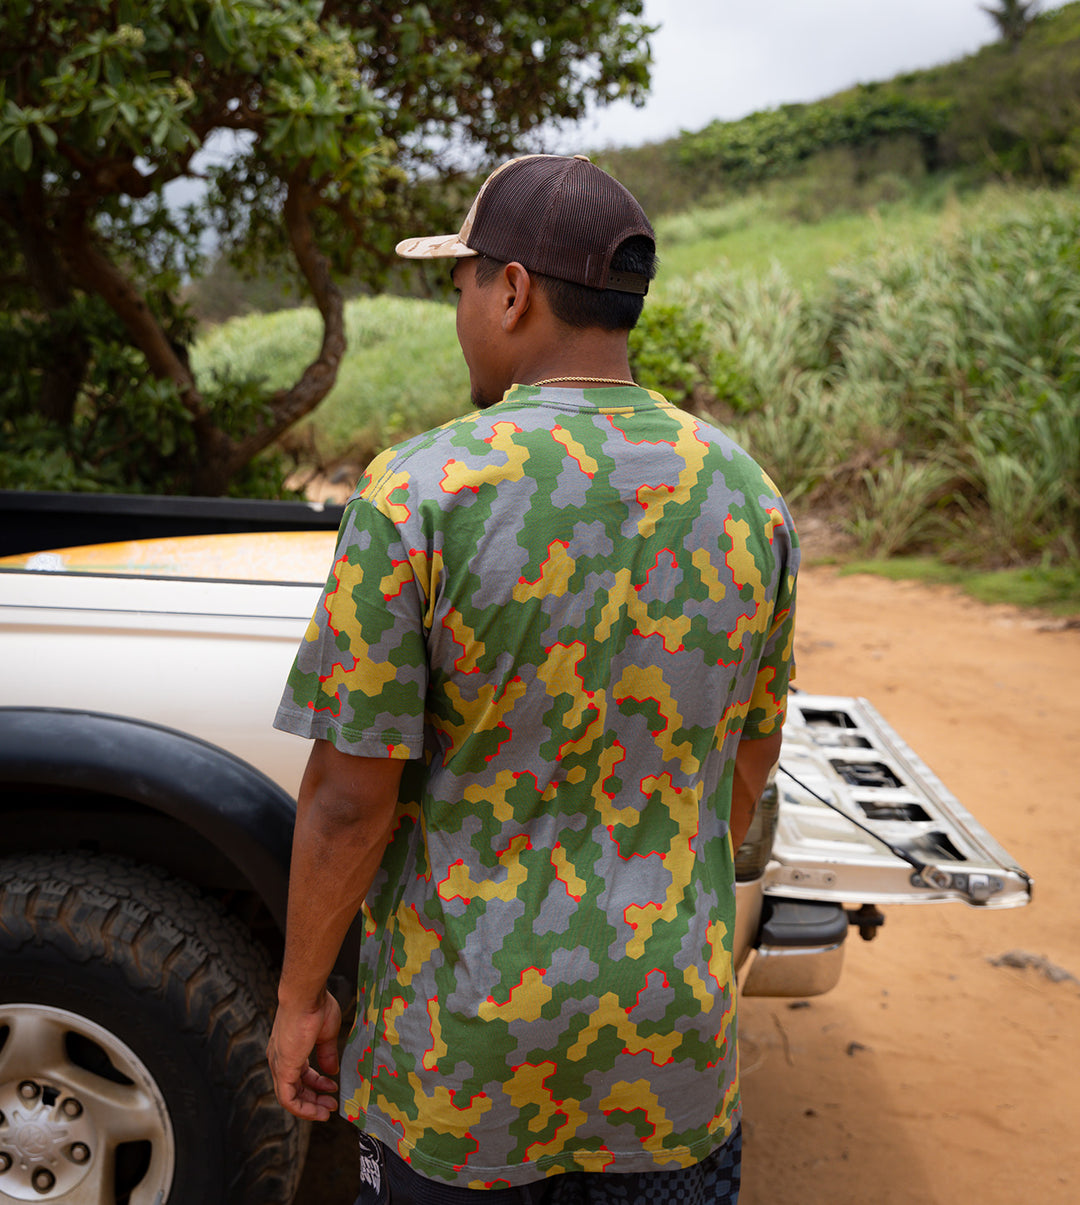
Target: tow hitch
(868, 919)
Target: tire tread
(174, 945)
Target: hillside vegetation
(896, 345)
(1005, 113)
(923, 392)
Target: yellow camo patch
(744, 570)
(495, 794)
(438, 1048)
(647, 683)
(418, 944)
(566, 874)
(378, 493)
(637, 1096)
(471, 648)
(710, 579)
(438, 1110)
(356, 1106)
(485, 713)
(719, 968)
(365, 675)
(555, 574)
(458, 476)
(391, 584)
(392, 1014)
(679, 863)
(610, 1013)
(459, 884)
(526, 1003)
(560, 675)
(623, 599)
(576, 450)
(526, 1089)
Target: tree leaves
(106, 103)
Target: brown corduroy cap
(556, 215)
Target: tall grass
(402, 372)
(930, 391)
(921, 380)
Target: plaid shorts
(388, 1180)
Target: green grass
(402, 372)
(754, 233)
(806, 253)
(1055, 589)
(913, 360)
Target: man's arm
(344, 818)
(753, 761)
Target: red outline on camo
(653, 853)
(566, 449)
(519, 986)
(551, 858)
(614, 413)
(329, 594)
(525, 581)
(473, 489)
(496, 431)
(402, 581)
(654, 488)
(397, 505)
(637, 999)
(434, 933)
(655, 565)
(441, 883)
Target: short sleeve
(360, 675)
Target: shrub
(670, 353)
(772, 142)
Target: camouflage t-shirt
(569, 609)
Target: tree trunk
(96, 273)
(223, 458)
(68, 355)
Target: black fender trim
(230, 803)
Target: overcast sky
(726, 58)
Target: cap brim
(436, 246)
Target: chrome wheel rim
(81, 1117)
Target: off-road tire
(177, 983)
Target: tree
(1012, 17)
(339, 110)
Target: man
(546, 683)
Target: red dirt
(929, 1074)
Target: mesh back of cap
(556, 216)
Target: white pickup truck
(146, 809)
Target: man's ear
(518, 295)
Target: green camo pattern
(567, 610)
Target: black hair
(582, 307)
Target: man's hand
(299, 1087)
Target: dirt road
(929, 1075)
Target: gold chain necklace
(591, 380)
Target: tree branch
(96, 273)
(62, 374)
(317, 379)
